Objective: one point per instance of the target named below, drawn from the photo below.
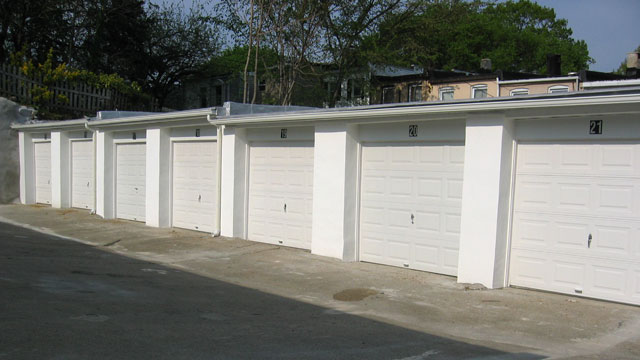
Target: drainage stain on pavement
(354, 294)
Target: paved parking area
(119, 289)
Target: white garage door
(281, 193)
(194, 185)
(411, 197)
(576, 220)
(42, 156)
(130, 181)
(82, 174)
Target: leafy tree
(50, 73)
(179, 44)
(457, 34)
(346, 24)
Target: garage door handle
(412, 217)
(589, 241)
(199, 197)
(48, 182)
(87, 183)
(285, 207)
(135, 189)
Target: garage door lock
(285, 207)
(589, 241)
(412, 217)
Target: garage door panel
(609, 279)
(130, 181)
(576, 219)
(42, 157)
(194, 185)
(280, 193)
(82, 174)
(401, 181)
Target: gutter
(156, 119)
(539, 80)
(77, 124)
(459, 108)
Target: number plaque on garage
(283, 133)
(413, 130)
(595, 127)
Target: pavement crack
(112, 243)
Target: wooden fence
(83, 99)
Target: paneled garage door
(411, 196)
(42, 152)
(281, 193)
(576, 221)
(130, 181)
(194, 185)
(82, 174)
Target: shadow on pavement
(65, 300)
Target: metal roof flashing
(617, 101)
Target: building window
(415, 92)
(388, 95)
(479, 91)
(262, 85)
(446, 93)
(558, 89)
(516, 92)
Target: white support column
(234, 153)
(335, 177)
(158, 182)
(27, 168)
(60, 170)
(486, 195)
(104, 175)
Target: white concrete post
(158, 201)
(485, 200)
(27, 168)
(60, 170)
(234, 147)
(104, 175)
(335, 176)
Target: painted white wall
(335, 177)
(60, 170)
(444, 131)
(234, 154)
(104, 174)
(485, 200)
(27, 168)
(158, 178)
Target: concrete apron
(511, 320)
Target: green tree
(455, 34)
(179, 44)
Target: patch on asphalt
(354, 294)
(91, 317)
(161, 272)
(422, 356)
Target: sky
(609, 27)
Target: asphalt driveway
(119, 289)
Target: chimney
(633, 65)
(553, 65)
(485, 64)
